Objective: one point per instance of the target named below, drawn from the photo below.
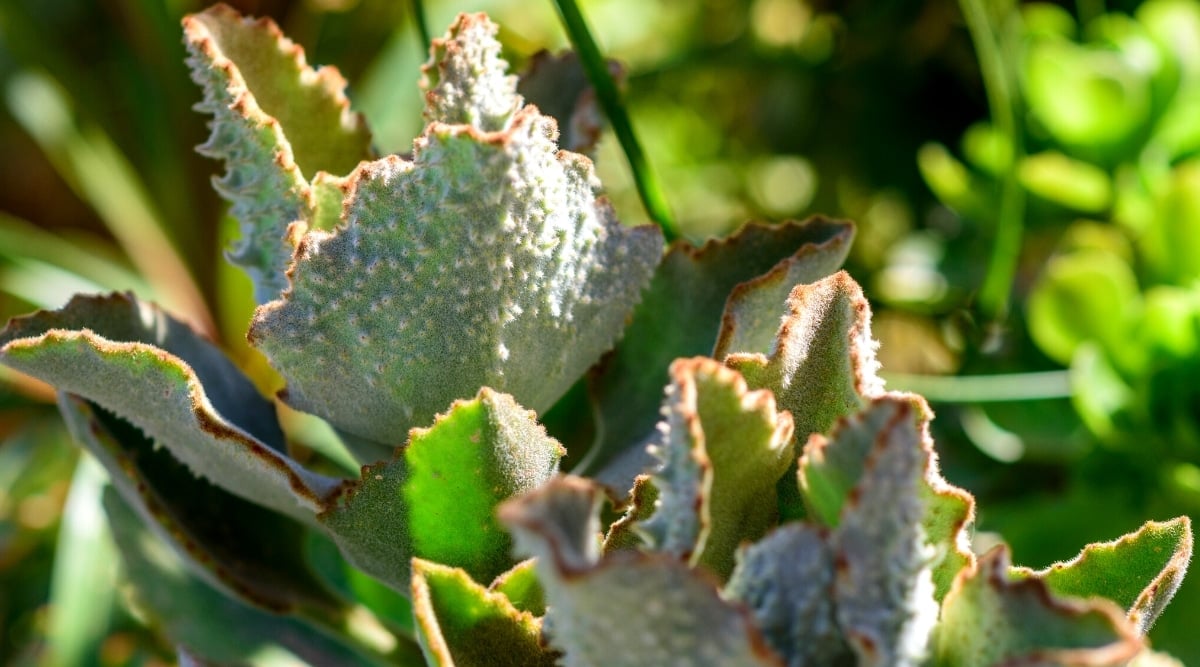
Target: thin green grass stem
(997, 388)
(649, 189)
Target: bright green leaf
(1088, 295)
(463, 624)
(1140, 571)
(520, 585)
(436, 500)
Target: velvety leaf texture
(486, 261)
(680, 316)
(437, 498)
(989, 619)
(724, 449)
(276, 124)
(832, 465)
(1140, 571)
(822, 365)
(884, 586)
(154, 372)
(786, 580)
(462, 624)
(626, 609)
(557, 84)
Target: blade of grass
(21, 240)
(998, 81)
(649, 189)
(83, 586)
(418, 15)
(92, 165)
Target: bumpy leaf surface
(246, 550)
(681, 315)
(628, 609)
(557, 84)
(437, 498)
(822, 365)
(723, 450)
(154, 372)
(989, 619)
(462, 624)
(276, 124)
(212, 626)
(786, 580)
(884, 587)
(1140, 571)
(488, 260)
(831, 466)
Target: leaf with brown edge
(436, 498)
(724, 448)
(491, 259)
(884, 588)
(249, 552)
(462, 624)
(277, 123)
(832, 465)
(624, 533)
(989, 619)
(520, 585)
(1140, 571)
(625, 609)
(154, 372)
(680, 316)
(822, 366)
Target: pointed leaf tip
(466, 82)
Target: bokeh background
(1029, 230)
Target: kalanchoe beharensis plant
(429, 308)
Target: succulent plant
(784, 509)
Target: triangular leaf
(1140, 571)
(884, 587)
(989, 619)
(786, 579)
(520, 585)
(822, 365)
(831, 466)
(463, 624)
(276, 124)
(154, 372)
(680, 316)
(627, 609)
(488, 260)
(466, 81)
(437, 498)
(723, 451)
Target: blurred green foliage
(746, 109)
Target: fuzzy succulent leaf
(831, 466)
(625, 533)
(154, 372)
(884, 586)
(822, 365)
(463, 624)
(520, 585)
(213, 627)
(489, 260)
(1140, 571)
(723, 450)
(680, 316)
(988, 619)
(558, 85)
(245, 550)
(786, 580)
(276, 123)
(466, 81)
(626, 609)
(436, 499)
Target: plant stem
(649, 189)
(995, 293)
(1035, 386)
(418, 12)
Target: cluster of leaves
(1109, 157)
(422, 306)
